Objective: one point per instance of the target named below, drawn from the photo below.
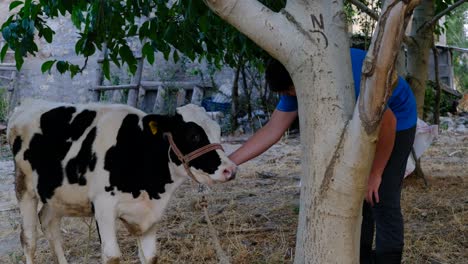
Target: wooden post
(197, 95)
(133, 93)
(141, 97)
(180, 100)
(117, 96)
(12, 92)
(159, 106)
(95, 94)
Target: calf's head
(190, 130)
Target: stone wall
(61, 87)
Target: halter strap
(185, 159)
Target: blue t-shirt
(402, 102)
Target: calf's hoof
(114, 260)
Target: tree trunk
(235, 99)
(310, 39)
(435, 53)
(418, 51)
(247, 93)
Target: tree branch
(378, 72)
(436, 18)
(435, 53)
(257, 22)
(409, 41)
(364, 9)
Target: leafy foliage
(3, 104)
(457, 36)
(447, 101)
(172, 27)
(439, 6)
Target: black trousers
(386, 215)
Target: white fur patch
(198, 115)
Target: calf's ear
(157, 124)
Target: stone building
(30, 82)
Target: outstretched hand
(373, 185)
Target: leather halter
(185, 159)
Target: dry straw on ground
(256, 218)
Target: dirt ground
(256, 214)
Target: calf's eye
(196, 138)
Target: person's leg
(387, 213)
(367, 235)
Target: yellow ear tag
(153, 127)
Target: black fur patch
(189, 137)
(86, 159)
(80, 123)
(48, 148)
(138, 161)
(17, 145)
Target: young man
(382, 203)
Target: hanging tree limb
(361, 6)
(379, 66)
(436, 18)
(435, 53)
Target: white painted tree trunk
(310, 39)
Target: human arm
(383, 151)
(264, 138)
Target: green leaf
(127, 56)
(106, 69)
(74, 69)
(175, 56)
(79, 46)
(15, 4)
(132, 31)
(6, 33)
(48, 34)
(125, 53)
(170, 34)
(27, 8)
(204, 23)
(28, 25)
(77, 17)
(62, 66)
(132, 67)
(3, 52)
(115, 60)
(18, 58)
(148, 52)
(89, 48)
(166, 54)
(46, 66)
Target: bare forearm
(385, 143)
(265, 137)
(256, 145)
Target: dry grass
(256, 218)
(436, 220)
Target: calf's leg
(104, 212)
(27, 202)
(28, 210)
(147, 247)
(50, 223)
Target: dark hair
(277, 76)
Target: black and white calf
(110, 161)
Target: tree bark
(418, 51)
(247, 93)
(435, 53)
(235, 98)
(338, 138)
